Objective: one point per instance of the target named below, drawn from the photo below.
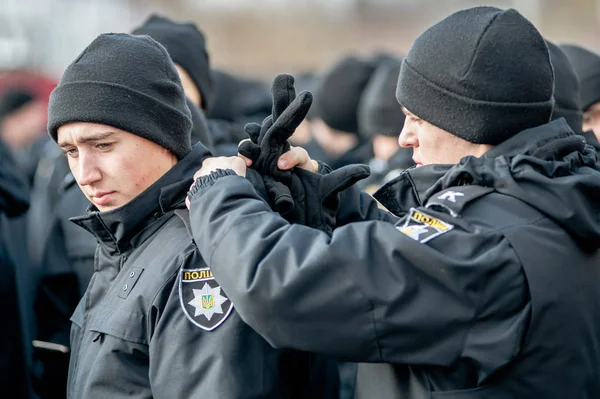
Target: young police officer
(487, 286)
(120, 115)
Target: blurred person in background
(16, 334)
(22, 127)
(380, 118)
(484, 280)
(567, 94)
(587, 67)
(336, 138)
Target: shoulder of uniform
(454, 199)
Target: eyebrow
(92, 137)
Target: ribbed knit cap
(482, 74)
(587, 69)
(186, 46)
(128, 82)
(567, 103)
(379, 111)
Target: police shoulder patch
(201, 298)
(422, 227)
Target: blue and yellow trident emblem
(208, 301)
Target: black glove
(317, 197)
(270, 140)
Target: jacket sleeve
(367, 293)
(358, 206)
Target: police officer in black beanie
(153, 321)
(483, 282)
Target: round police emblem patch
(202, 300)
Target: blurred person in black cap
(484, 280)
(567, 94)
(381, 119)
(336, 137)
(22, 127)
(186, 45)
(587, 67)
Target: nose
(87, 170)
(407, 137)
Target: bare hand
(211, 164)
(295, 157)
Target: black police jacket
(487, 286)
(153, 321)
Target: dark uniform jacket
(154, 322)
(486, 287)
(15, 334)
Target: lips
(102, 198)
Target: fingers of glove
(266, 125)
(253, 131)
(299, 213)
(288, 121)
(283, 93)
(249, 149)
(280, 195)
(342, 178)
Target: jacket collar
(415, 186)
(115, 229)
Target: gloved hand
(268, 141)
(317, 196)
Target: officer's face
(591, 119)
(112, 166)
(432, 145)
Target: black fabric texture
(587, 67)
(186, 45)
(567, 103)
(128, 82)
(456, 75)
(317, 196)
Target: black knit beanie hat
(338, 94)
(566, 89)
(379, 111)
(482, 74)
(128, 82)
(13, 98)
(187, 46)
(587, 69)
